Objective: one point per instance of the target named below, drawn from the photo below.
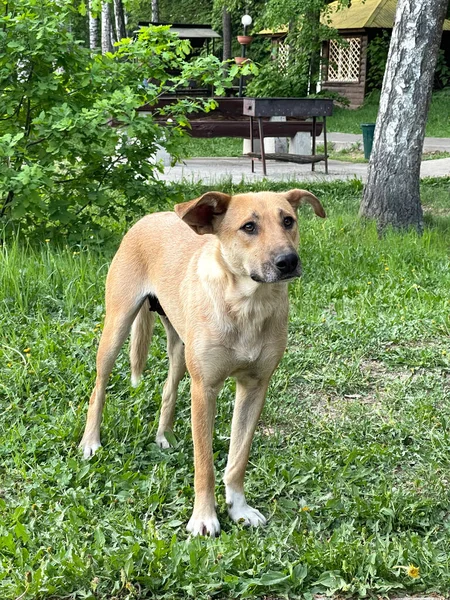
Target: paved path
(346, 140)
(215, 170)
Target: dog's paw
(241, 512)
(162, 442)
(89, 447)
(204, 525)
(246, 515)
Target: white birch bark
(392, 193)
(106, 28)
(93, 28)
(155, 11)
(119, 17)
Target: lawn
(345, 120)
(350, 460)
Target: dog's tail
(141, 335)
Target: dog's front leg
(250, 396)
(204, 518)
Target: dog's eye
(288, 222)
(249, 227)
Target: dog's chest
(247, 345)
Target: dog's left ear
(297, 197)
(201, 213)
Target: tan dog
(223, 297)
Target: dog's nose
(286, 263)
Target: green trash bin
(368, 131)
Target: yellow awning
(378, 14)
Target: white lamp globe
(246, 20)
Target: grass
(350, 460)
(345, 120)
(198, 147)
(231, 147)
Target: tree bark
(313, 26)
(93, 28)
(392, 193)
(155, 11)
(119, 15)
(226, 34)
(106, 28)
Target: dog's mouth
(276, 277)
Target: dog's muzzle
(283, 267)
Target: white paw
(246, 515)
(135, 380)
(204, 525)
(161, 441)
(89, 447)
(241, 512)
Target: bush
(72, 144)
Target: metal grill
(283, 55)
(344, 60)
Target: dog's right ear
(201, 214)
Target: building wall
(354, 91)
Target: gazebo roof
(362, 14)
(379, 14)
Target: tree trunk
(313, 26)
(106, 28)
(119, 15)
(226, 34)
(392, 193)
(155, 11)
(93, 28)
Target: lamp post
(244, 40)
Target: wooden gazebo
(345, 65)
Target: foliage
(71, 139)
(350, 460)
(442, 74)
(182, 11)
(272, 81)
(305, 33)
(377, 53)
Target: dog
(217, 271)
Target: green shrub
(72, 145)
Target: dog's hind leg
(177, 369)
(141, 335)
(122, 305)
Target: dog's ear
(201, 213)
(297, 197)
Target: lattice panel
(283, 55)
(344, 60)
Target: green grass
(198, 147)
(231, 147)
(345, 120)
(350, 460)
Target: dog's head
(258, 233)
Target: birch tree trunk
(226, 34)
(106, 28)
(155, 11)
(119, 15)
(93, 28)
(392, 193)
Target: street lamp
(244, 40)
(246, 21)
